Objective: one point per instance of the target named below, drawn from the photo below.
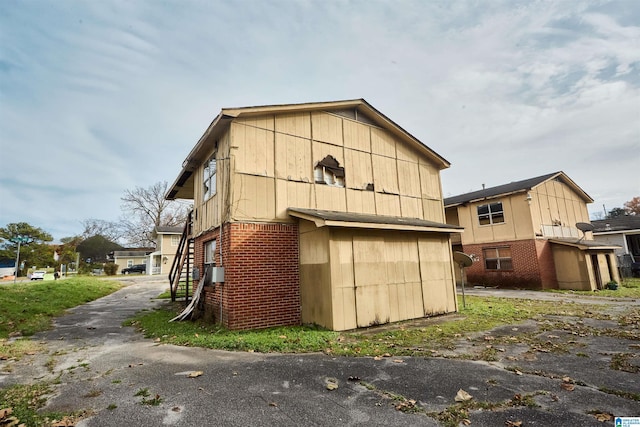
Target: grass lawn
(628, 288)
(403, 339)
(29, 307)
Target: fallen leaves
(7, 420)
(567, 384)
(462, 396)
(406, 406)
(509, 423)
(194, 374)
(331, 383)
(602, 416)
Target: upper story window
(328, 171)
(491, 213)
(209, 178)
(175, 240)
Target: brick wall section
(533, 266)
(547, 266)
(262, 287)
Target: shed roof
(356, 220)
(182, 188)
(617, 224)
(583, 245)
(515, 187)
(168, 230)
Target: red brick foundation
(533, 266)
(261, 287)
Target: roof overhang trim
(383, 223)
(584, 246)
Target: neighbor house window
(209, 252)
(497, 258)
(491, 213)
(129, 262)
(209, 178)
(175, 240)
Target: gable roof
(617, 224)
(355, 109)
(514, 187)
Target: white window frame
(494, 213)
(209, 174)
(210, 252)
(175, 240)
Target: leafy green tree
(96, 248)
(68, 249)
(616, 212)
(34, 247)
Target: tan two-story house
(532, 233)
(325, 213)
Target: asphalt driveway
(563, 371)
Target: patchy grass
(25, 402)
(28, 308)
(481, 314)
(155, 324)
(628, 288)
(15, 350)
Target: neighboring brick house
(325, 213)
(524, 234)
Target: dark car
(138, 268)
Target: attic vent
(328, 171)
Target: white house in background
(167, 241)
(622, 231)
(131, 257)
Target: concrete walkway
(99, 366)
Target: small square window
(490, 214)
(497, 258)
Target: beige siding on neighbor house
(572, 268)
(516, 226)
(554, 202)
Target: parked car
(138, 268)
(38, 275)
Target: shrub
(110, 269)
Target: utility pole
(19, 240)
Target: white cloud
(105, 96)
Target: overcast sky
(97, 97)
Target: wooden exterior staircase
(180, 275)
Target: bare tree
(99, 227)
(146, 208)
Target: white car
(38, 275)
